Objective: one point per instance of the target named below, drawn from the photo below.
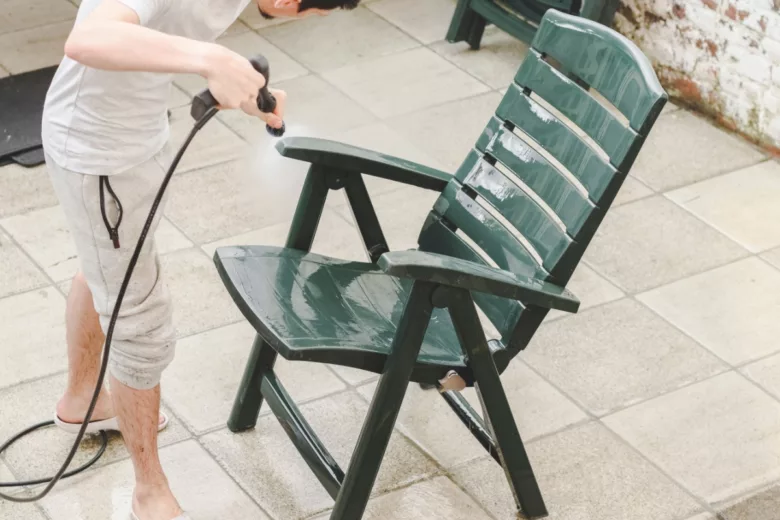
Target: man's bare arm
(111, 38)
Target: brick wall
(721, 57)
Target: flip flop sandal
(95, 426)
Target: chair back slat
(609, 63)
(487, 232)
(560, 193)
(547, 236)
(559, 140)
(597, 121)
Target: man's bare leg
(85, 343)
(137, 409)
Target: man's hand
(234, 83)
(274, 119)
(232, 80)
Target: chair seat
(314, 308)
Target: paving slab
(42, 453)
(25, 189)
(684, 148)
(342, 38)
(26, 14)
(719, 438)
(584, 472)
(425, 21)
(202, 488)
(495, 63)
(731, 310)
(616, 355)
(652, 242)
(34, 48)
(216, 360)
(25, 355)
(267, 465)
(766, 373)
(404, 83)
(721, 203)
(17, 273)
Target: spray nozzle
(266, 101)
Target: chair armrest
(463, 274)
(351, 158)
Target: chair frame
(438, 282)
(351, 490)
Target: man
(105, 134)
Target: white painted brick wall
(720, 56)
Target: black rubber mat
(29, 158)
(21, 107)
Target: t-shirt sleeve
(146, 9)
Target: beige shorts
(105, 236)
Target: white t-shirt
(105, 122)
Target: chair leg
(462, 21)
(383, 412)
(246, 407)
(496, 406)
(476, 31)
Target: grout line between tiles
(745, 495)
(712, 225)
(466, 492)
(180, 230)
(32, 380)
(430, 45)
(744, 364)
(672, 281)
(733, 366)
(265, 411)
(701, 501)
(384, 119)
(763, 259)
(35, 264)
(209, 329)
(664, 191)
(229, 475)
(759, 386)
(43, 29)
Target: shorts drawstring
(113, 232)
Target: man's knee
(144, 340)
(140, 364)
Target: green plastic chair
(520, 18)
(505, 236)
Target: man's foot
(155, 503)
(72, 409)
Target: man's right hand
(232, 80)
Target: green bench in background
(505, 236)
(520, 18)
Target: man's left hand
(273, 119)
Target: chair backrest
(531, 194)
